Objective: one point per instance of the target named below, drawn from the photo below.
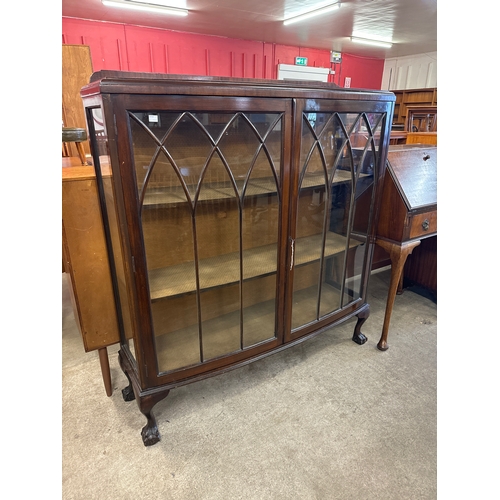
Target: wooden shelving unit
(412, 97)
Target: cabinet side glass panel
(209, 193)
(104, 171)
(364, 141)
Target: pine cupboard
(239, 217)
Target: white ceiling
(411, 24)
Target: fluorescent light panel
(312, 13)
(146, 7)
(376, 43)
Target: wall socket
(347, 82)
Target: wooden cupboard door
(76, 72)
(333, 185)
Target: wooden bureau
(408, 212)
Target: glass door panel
(260, 223)
(335, 184)
(210, 197)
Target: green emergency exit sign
(301, 61)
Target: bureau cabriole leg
(398, 254)
(362, 316)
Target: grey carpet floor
(326, 419)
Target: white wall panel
(410, 72)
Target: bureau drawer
(423, 224)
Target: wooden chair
(421, 119)
(76, 135)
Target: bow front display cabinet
(239, 216)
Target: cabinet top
(127, 82)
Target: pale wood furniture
(86, 264)
(408, 212)
(415, 117)
(76, 72)
(421, 138)
(240, 217)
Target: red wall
(133, 48)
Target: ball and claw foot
(359, 338)
(128, 393)
(150, 435)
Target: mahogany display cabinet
(232, 218)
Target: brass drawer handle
(425, 224)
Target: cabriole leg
(150, 433)
(128, 392)
(398, 254)
(358, 337)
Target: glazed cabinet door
(335, 166)
(207, 214)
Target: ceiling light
(311, 13)
(376, 43)
(147, 7)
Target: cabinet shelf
(258, 262)
(180, 348)
(224, 190)
(212, 191)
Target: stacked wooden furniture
(411, 98)
(410, 103)
(240, 217)
(421, 124)
(408, 216)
